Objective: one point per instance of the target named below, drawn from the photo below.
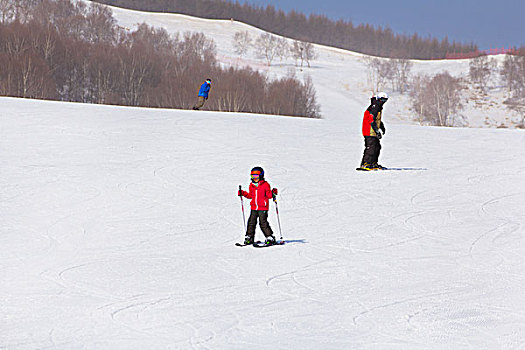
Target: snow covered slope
(117, 229)
(118, 225)
(340, 76)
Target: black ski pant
(263, 223)
(372, 150)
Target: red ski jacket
(372, 120)
(260, 195)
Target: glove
(379, 135)
(382, 127)
(239, 193)
(274, 192)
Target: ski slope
(340, 76)
(117, 228)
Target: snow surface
(117, 227)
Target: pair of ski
(259, 244)
(380, 169)
(371, 169)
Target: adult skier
(260, 193)
(203, 94)
(372, 128)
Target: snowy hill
(340, 76)
(118, 225)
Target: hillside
(369, 39)
(340, 75)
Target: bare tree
(198, 44)
(309, 101)
(380, 70)
(101, 26)
(297, 52)
(20, 10)
(242, 42)
(283, 49)
(7, 11)
(480, 70)
(437, 99)
(309, 53)
(400, 74)
(266, 47)
(160, 40)
(417, 89)
(513, 75)
(303, 51)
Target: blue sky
(487, 23)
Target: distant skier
(203, 94)
(372, 128)
(260, 193)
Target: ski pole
(278, 220)
(242, 207)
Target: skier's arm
(375, 111)
(243, 193)
(382, 127)
(268, 192)
(373, 124)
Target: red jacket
(260, 195)
(372, 119)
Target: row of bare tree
(512, 73)
(369, 39)
(70, 51)
(269, 47)
(395, 71)
(436, 99)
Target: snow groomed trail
(118, 228)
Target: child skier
(260, 193)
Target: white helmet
(381, 96)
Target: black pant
(263, 223)
(372, 150)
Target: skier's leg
(250, 230)
(265, 226)
(368, 154)
(378, 151)
(199, 103)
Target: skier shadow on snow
(288, 241)
(405, 169)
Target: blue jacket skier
(203, 94)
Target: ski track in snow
(118, 225)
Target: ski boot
(368, 166)
(377, 166)
(248, 240)
(270, 240)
